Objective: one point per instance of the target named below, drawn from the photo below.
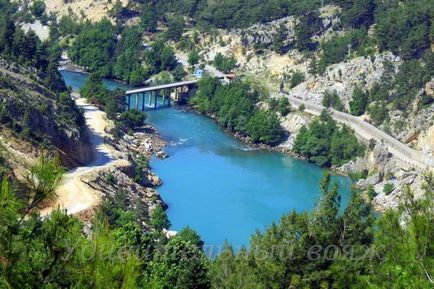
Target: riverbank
(279, 148)
(114, 167)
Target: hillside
(34, 119)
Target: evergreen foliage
(234, 106)
(325, 144)
(224, 63)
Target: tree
(284, 107)
(94, 89)
(279, 38)
(131, 119)
(304, 30)
(148, 18)
(37, 8)
(179, 73)
(225, 64)
(264, 127)
(175, 28)
(404, 252)
(359, 102)
(325, 144)
(94, 47)
(159, 220)
(188, 235)
(331, 99)
(193, 58)
(180, 265)
(297, 77)
(360, 14)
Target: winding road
(368, 131)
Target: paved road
(362, 128)
(368, 131)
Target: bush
(225, 64)
(131, 119)
(302, 107)
(331, 99)
(296, 78)
(388, 188)
(359, 102)
(284, 107)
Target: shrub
(296, 78)
(284, 107)
(388, 188)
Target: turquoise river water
(219, 186)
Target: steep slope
(34, 119)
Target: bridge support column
(155, 99)
(128, 101)
(137, 101)
(150, 98)
(143, 101)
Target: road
(368, 131)
(73, 194)
(362, 128)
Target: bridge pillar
(155, 99)
(128, 101)
(143, 101)
(137, 101)
(150, 98)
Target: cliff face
(33, 118)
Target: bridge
(147, 97)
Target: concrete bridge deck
(161, 87)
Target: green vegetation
(224, 63)
(388, 188)
(296, 78)
(359, 102)
(26, 49)
(331, 99)
(97, 48)
(328, 247)
(283, 106)
(234, 106)
(175, 28)
(37, 8)
(94, 47)
(127, 66)
(325, 144)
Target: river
(219, 186)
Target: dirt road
(73, 194)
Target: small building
(199, 73)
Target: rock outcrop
(32, 113)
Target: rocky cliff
(35, 119)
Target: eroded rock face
(41, 116)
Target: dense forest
(234, 107)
